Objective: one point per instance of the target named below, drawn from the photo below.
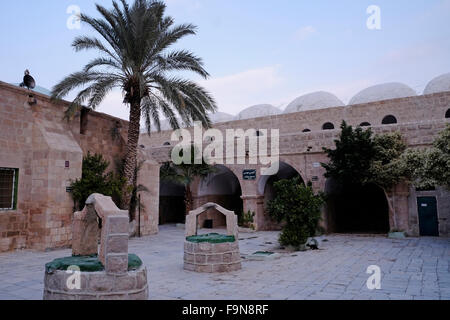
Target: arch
(172, 206)
(328, 126)
(447, 114)
(223, 188)
(390, 119)
(306, 130)
(356, 209)
(266, 189)
(365, 124)
(167, 143)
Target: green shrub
(246, 220)
(94, 179)
(299, 208)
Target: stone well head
(231, 220)
(101, 217)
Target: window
(306, 130)
(328, 126)
(259, 133)
(389, 120)
(84, 120)
(8, 188)
(447, 114)
(365, 124)
(166, 144)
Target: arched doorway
(362, 209)
(221, 187)
(266, 188)
(172, 208)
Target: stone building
(41, 153)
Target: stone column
(398, 207)
(149, 212)
(255, 203)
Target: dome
(261, 110)
(438, 84)
(381, 92)
(314, 101)
(219, 117)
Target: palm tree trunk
(131, 154)
(188, 199)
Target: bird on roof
(28, 81)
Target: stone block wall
(212, 257)
(48, 151)
(97, 286)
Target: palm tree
(184, 174)
(134, 57)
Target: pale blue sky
(257, 51)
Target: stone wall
(212, 257)
(420, 119)
(97, 286)
(48, 152)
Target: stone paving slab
(412, 269)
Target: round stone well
(212, 252)
(108, 273)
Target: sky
(256, 51)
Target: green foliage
(361, 158)
(94, 179)
(351, 160)
(431, 166)
(185, 173)
(299, 208)
(246, 219)
(388, 166)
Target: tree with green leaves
(185, 173)
(431, 167)
(360, 158)
(95, 179)
(299, 208)
(352, 158)
(134, 56)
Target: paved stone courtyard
(416, 268)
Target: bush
(95, 180)
(299, 208)
(246, 220)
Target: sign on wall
(249, 174)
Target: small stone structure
(120, 279)
(216, 253)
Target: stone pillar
(149, 212)
(255, 203)
(398, 207)
(114, 255)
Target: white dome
(219, 117)
(438, 84)
(381, 92)
(261, 110)
(314, 101)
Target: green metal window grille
(8, 188)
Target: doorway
(428, 218)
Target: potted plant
(246, 222)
